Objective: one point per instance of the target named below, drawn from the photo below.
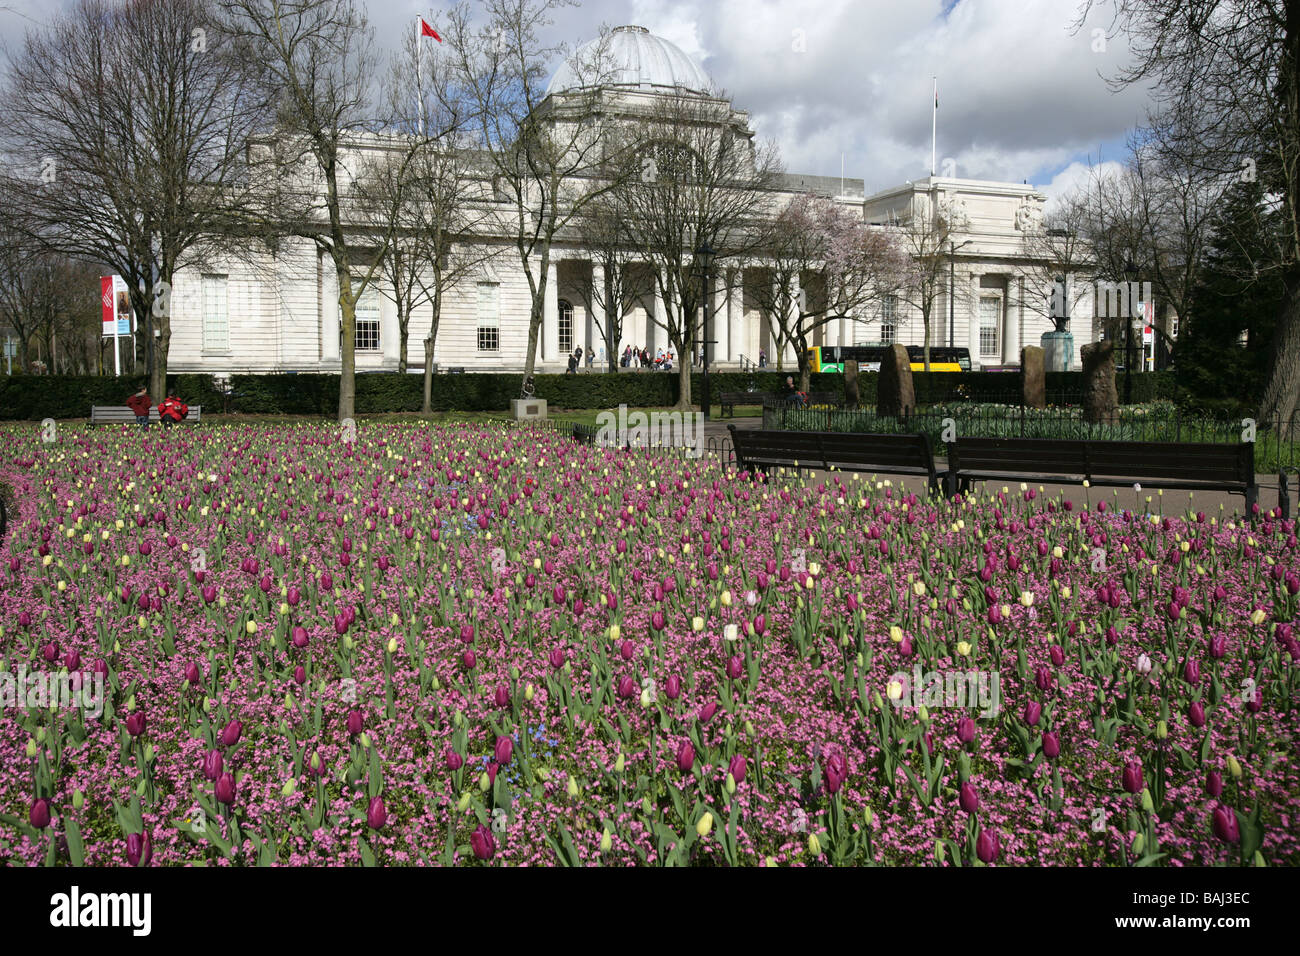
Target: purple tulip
(735, 667)
(1196, 714)
(135, 723)
(673, 687)
(1132, 777)
(356, 722)
(657, 620)
(1218, 646)
(707, 711)
(1224, 824)
(626, 688)
(626, 650)
(139, 849)
(966, 730)
(300, 639)
(557, 657)
(212, 764)
(737, 769)
(685, 756)
(230, 733)
(192, 674)
(504, 748)
(502, 696)
(300, 675)
(50, 652)
(226, 789)
(452, 760)
(39, 815)
(1214, 783)
(837, 771)
(376, 814)
(72, 660)
(987, 846)
(1033, 710)
(483, 843)
(468, 660)
(1043, 678)
(1051, 745)
(1192, 672)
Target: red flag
(428, 31)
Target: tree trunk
(160, 354)
(347, 352)
(805, 369)
(683, 379)
(1283, 388)
(403, 335)
(925, 320)
(429, 343)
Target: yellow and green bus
(831, 358)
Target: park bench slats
(729, 400)
(885, 454)
(1190, 466)
(120, 414)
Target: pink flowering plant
(245, 645)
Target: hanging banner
(116, 305)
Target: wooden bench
(847, 451)
(781, 400)
(729, 400)
(1176, 465)
(121, 415)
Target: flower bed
(491, 644)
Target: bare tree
(1058, 265)
(1230, 71)
(926, 233)
(318, 57)
(127, 124)
(548, 155)
(696, 181)
(625, 280)
(824, 265)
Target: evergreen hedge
(35, 397)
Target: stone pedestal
(1058, 349)
(1033, 377)
(1100, 399)
(851, 395)
(895, 393)
(528, 409)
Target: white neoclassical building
(281, 313)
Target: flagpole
(419, 94)
(934, 124)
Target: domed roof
(635, 57)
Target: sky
(1022, 95)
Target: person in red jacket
(139, 403)
(172, 410)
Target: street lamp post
(704, 256)
(1131, 274)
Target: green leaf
(76, 849)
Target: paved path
(1174, 502)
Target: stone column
(329, 313)
(551, 315)
(719, 328)
(973, 323)
(389, 334)
(598, 315)
(1011, 325)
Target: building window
(489, 305)
(367, 321)
(990, 314)
(888, 325)
(216, 319)
(566, 327)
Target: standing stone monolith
(1100, 398)
(1033, 377)
(851, 395)
(895, 393)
